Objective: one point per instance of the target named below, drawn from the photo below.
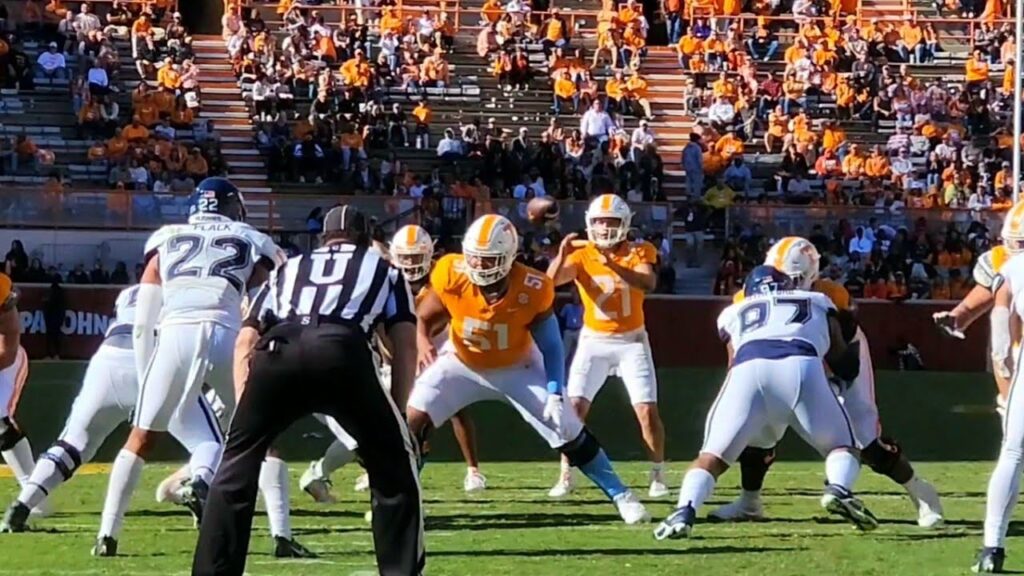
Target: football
(539, 210)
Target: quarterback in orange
(612, 275)
(14, 446)
(505, 346)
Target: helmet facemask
(485, 268)
(607, 231)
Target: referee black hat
(345, 220)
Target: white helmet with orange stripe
(797, 258)
(412, 251)
(490, 247)
(1013, 229)
(608, 218)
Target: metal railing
(777, 221)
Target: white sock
(1002, 495)
(750, 496)
(657, 468)
(336, 456)
(274, 485)
(842, 468)
(124, 477)
(19, 458)
(44, 480)
(204, 460)
(698, 484)
(565, 467)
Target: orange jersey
(488, 336)
(6, 291)
(609, 304)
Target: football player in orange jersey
(412, 252)
(14, 446)
(612, 275)
(506, 346)
(798, 258)
(980, 299)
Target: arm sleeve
(549, 340)
(400, 306)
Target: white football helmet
(412, 251)
(1013, 229)
(608, 206)
(490, 247)
(797, 258)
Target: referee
(305, 348)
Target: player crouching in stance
(497, 310)
(412, 252)
(776, 340)
(612, 275)
(980, 299)
(14, 445)
(1004, 486)
(797, 258)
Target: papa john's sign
(88, 310)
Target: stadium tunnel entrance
(201, 17)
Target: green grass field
(513, 528)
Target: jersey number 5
(484, 336)
(609, 286)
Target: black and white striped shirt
(346, 282)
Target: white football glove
(553, 411)
(947, 323)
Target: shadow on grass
(668, 550)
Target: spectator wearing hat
(52, 64)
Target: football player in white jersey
(798, 258)
(412, 252)
(107, 398)
(777, 338)
(1004, 485)
(192, 287)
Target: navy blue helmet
(216, 195)
(765, 280)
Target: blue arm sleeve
(549, 340)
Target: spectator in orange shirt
(565, 89)
(877, 165)
(356, 74)
(976, 70)
(435, 71)
(142, 32)
(854, 163)
(911, 45)
(775, 135)
(556, 32)
(491, 12)
(615, 92)
(196, 166)
(422, 114)
(324, 48)
(135, 132)
(687, 47)
(633, 44)
(167, 77)
(636, 95)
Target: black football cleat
(841, 502)
(678, 525)
(16, 518)
(990, 561)
(106, 547)
(290, 548)
(193, 496)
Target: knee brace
(754, 464)
(65, 457)
(10, 434)
(885, 457)
(582, 449)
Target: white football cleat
(167, 490)
(316, 486)
(631, 509)
(565, 485)
(658, 489)
(474, 481)
(362, 483)
(925, 499)
(739, 510)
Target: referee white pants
(762, 398)
(186, 356)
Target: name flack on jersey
(794, 315)
(206, 264)
(491, 335)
